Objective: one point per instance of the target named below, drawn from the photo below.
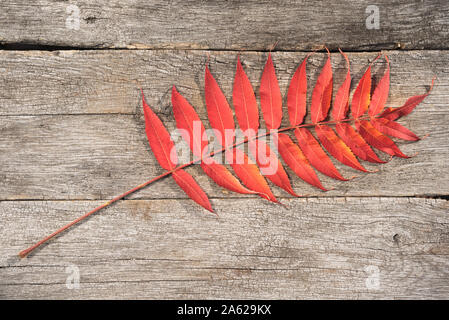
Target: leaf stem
(26, 252)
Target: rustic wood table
(72, 137)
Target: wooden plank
(100, 156)
(94, 82)
(163, 249)
(249, 25)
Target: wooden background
(72, 136)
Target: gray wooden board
(248, 25)
(72, 136)
(318, 248)
(83, 136)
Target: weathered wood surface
(248, 25)
(104, 81)
(72, 136)
(83, 136)
(318, 248)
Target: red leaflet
(361, 96)
(270, 96)
(342, 97)
(316, 156)
(322, 93)
(191, 188)
(297, 161)
(244, 100)
(189, 124)
(218, 110)
(165, 153)
(159, 139)
(248, 172)
(270, 166)
(357, 144)
(409, 105)
(380, 94)
(377, 139)
(393, 129)
(297, 94)
(337, 148)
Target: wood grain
(247, 25)
(317, 248)
(72, 136)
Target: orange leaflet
(297, 93)
(270, 96)
(165, 153)
(248, 172)
(223, 177)
(337, 148)
(322, 93)
(377, 139)
(393, 129)
(270, 166)
(380, 94)
(315, 154)
(357, 144)
(218, 109)
(244, 100)
(340, 108)
(297, 161)
(409, 105)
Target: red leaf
(165, 153)
(297, 161)
(380, 94)
(357, 144)
(322, 93)
(244, 100)
(337, 148)
(297, 94)
(248, 172)
(270, 96)
(342, 97)
(191, 188)
(409, 105)
(193, 132)
(361, 97)
(315, 154)
(394, 129)
(377, 139)
(218, 109)
(270, 166)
